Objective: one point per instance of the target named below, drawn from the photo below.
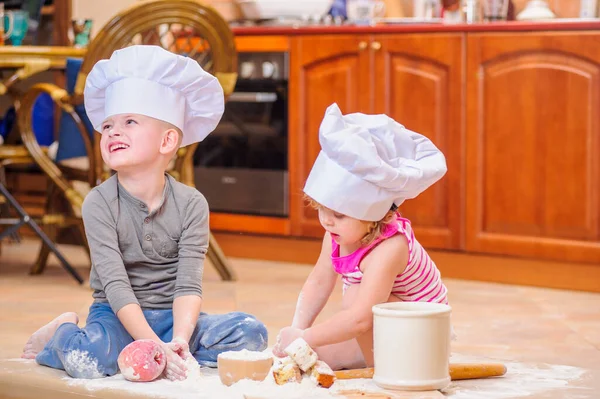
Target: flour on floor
(521, 380)
(207, 385)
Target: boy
(148, 234)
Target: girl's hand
(177, 351)
(286, 336)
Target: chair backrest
(184, 27)
(71, 143)
(181, 26)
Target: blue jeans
(92, 351)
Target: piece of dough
(302, 354)
(286, 370)
(322, 374)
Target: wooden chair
(26, 62)
(181, 26)
(14, 224)
(10, 155)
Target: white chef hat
(368, 163)
(152, 81)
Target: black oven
(242, 166)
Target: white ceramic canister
(411, 344)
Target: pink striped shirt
(419, 282)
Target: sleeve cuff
(187, 292)
(120, 296)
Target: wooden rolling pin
(458, 371)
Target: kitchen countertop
(511, 26)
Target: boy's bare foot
(40, 338)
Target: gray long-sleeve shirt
(145, 258)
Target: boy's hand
(180, 346)
(177, 351)
(286, 336)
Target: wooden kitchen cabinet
(533, 145)
(419, 82)
(414, 78)
(517, 115)
(323, 70)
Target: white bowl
(274, 9)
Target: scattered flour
(193, 369)
(521, 380)
(79, 363)
(130, 374)
(245, 354)
(207, 385)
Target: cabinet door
(323, 70)
(418, 82)
(533, 154)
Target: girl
(368, 166)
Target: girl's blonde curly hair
(374, 229)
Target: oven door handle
(252, 97)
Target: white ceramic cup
(411, 344)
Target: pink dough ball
(142, 360)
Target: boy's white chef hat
(368, 163)
(152, 81)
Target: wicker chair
(26, 63)
(181, 26)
